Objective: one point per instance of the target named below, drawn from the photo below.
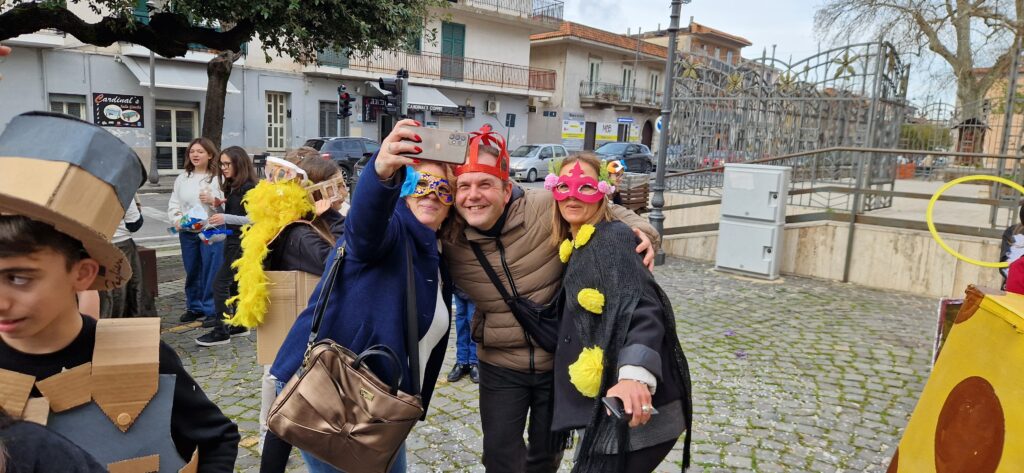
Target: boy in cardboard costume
(110, 386)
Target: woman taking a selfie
(397, 209)
(621, 378)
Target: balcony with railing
(598, 94)
(545, 11)
(435, 66)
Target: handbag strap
(324, 296)
(493, 276)
(412, 326)
(412, 322)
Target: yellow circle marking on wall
(935, 233)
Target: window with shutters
(73, 105)
(277, 116)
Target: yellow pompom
(583, 236)
(586, 372)
(592, 300)
(270, 207)
(564, 251)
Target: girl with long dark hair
(238, 177)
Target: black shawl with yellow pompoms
(605, 284)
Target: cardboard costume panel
(289, 293)
(970, 417)
(88, 427)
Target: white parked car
(530, 162)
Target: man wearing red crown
(503, 229)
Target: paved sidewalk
(801, 375)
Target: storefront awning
(170, 75)
(424, 98)
(429, 99)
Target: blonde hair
(560, 228)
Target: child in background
(202, 261)
(239, 177)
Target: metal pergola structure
(853, 95)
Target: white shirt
(131, 215)
(439, 326)
(186, 194)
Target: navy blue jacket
(367, 304)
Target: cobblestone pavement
(800, 375)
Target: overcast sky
(789, 24)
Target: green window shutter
(141, 12)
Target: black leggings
(275, 454)
(224, 286)
(647, 459)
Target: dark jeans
(506, 397)
(202, 262)
(225, 286)
(465, 347)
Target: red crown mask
(481, 137)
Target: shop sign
(115, 110)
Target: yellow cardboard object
(289, 293)
(970, 417)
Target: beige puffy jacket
(533, 262)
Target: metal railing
(848, 190)
(542, 10)
(829, 178)
(437, 66)
(617, 94)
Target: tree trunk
(218, 71)
(970, 99)
(970, 134)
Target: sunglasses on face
(438, 185)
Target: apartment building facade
(608, 88)
(701, 40)
(477, 71)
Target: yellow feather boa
(270, 207)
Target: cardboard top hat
(75, 176)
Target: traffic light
(345, 102)
(396, 103)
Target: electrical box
(755, 192)
(753, 218)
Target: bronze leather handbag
(336, 408)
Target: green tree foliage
(925, 136)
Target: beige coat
(533, 262)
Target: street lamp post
(658, 200)
(154, 173)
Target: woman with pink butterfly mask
(621, 379)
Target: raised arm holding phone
(398, 207)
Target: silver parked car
(530, 162)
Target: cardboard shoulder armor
(117, 407)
